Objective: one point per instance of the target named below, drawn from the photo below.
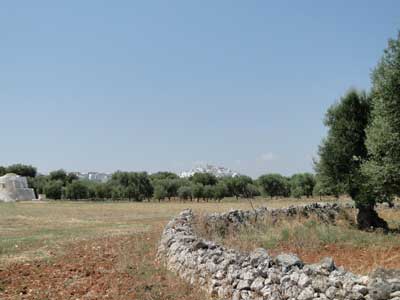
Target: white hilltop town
(94, 176)
(217, 171)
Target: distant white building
(15, 188)
(94, 176)
(217, 171)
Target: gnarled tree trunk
(368, 218)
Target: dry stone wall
(230, 274)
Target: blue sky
(165, 85)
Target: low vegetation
(32, 230)
(69, 249)
(360, 252)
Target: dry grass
(71, 250)
(31, 230)
(114, 268)
(88, 250)
(360, 252)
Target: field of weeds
(357, 251)
(95, 250)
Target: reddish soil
(125, 268)
(107, 268)
(355, 259)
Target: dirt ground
(359, 260)
(121, 267)
(92, 250)
(72, 250)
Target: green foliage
(3, 170)
(341, 153)
(132, 185)
(238, 185)
(170, 186)
(160, 192)
(302, 185)
(251, 191)
(163, 175)
(220, 191)
(204, 179)
(185, 192)
(71, 177)
(53, 189)
(22, 170)
(274, 185)
(38, 183)
(117, 192)
(167, 184)
(383, 135)
(58, 175)
(198, 191)
(324, 188)
(77, 190)
(103, 190)
(208, 192)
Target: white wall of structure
(15, 188)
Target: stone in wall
(230, 274)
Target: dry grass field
(93, 250)
(31, 230)
(358, 251)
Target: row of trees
(20, 169)
(361, 154)
(139, 186)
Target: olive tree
(382, 169)
(343, 151)
(160, 192)
(22, 170)
(77, 190)
(185, 192)
(273, 185)
(302, 185)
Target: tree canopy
(341, 153)
(383, 134)
(274, 185)
(302, 185)
(22, 170)
(204, 178)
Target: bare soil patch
(107, 268)
(92, 250)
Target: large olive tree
(343, 151)
(382, 169)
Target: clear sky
(165, 85)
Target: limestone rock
(288, 260)
(306, 294)
(243, 285)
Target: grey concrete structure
(15, 188)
